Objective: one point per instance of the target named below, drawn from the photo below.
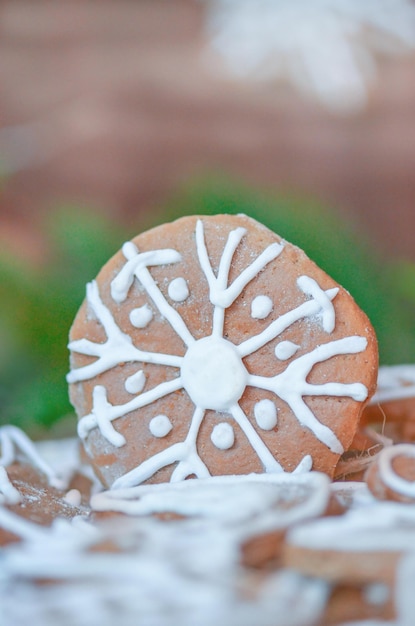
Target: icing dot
(160, 426)
(265, 413)
(261, 307)
(73, 497)
(136, 382)
(141, 316)
(178, 289)
(285, 350)
(223, 436)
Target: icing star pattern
(212, 371)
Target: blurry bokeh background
(116, 115)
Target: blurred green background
(118, 119)
(39, 303)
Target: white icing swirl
(387, 474)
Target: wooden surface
(116, 106)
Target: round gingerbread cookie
(210, 346)
(391, 476)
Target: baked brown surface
(39, 502)
(288, 441)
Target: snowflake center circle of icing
(213, 374)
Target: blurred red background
(112, 105)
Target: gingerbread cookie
(210, 346)
(349, 605)
(392, 474)
(363, 546)
(31, 492)
(254, 510)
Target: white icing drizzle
(137, 261)
(178, 289)
(212, 370)
(160, 426)
(395, 382)
(287, 497)
(221, 295)
(265, 413)
(8, 492)
(232, 243)
(135, 383)
(223, 436)
(104, 413)
(225, 296)
(285, 350)
(185, 453)
(12, 441)
(261, 307)
(310, 287)
(121, 284)
(21, 527)
(387, 474)
(291, 385)
(307, 309)
(141, 316)
(269, 462)
(117, 349)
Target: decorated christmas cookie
(391, 476)
(31, 493)
(210, 346)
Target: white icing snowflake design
(212, 371)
